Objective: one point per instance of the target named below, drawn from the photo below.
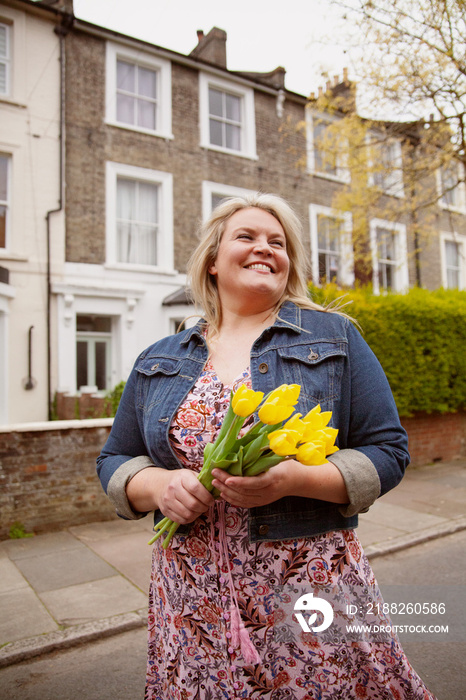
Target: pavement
(81, 584)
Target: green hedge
(420, 340)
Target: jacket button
(263, 529)
(154, 366)
(263, 367)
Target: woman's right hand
(177, 493)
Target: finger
(248, 483)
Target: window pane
(3, 41)
(216, 132)
(216, 199)
(125, 109)
(2, 227)
(147, 83)
(2, 78)
(93, 324)
(233, 108)
(233, 137)
(126, 199)
(452, 254)
(386, 244)
(126, 76)
(322, 231)
(146, 114)
(147, 210)
(124, 242)
(4, 179)
(453, 279)
(81, 364)
(101, 365)
(215, 102)
(147, 245)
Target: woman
(218, 622)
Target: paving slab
(11, 578)
(23, 615)
(93, 600)
(129, 554)
(53, 570)
(394, 516)
(35, 546)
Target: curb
(404, 542)
(22, 650)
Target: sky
(261, 34)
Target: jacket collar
(289, 317)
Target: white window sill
(13, 257)
(140, 130)
(328, 176)
(228, 151)
(134, 267)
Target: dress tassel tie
(239, 635)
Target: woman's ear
(212, 269)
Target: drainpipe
(61, 31)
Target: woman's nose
(262, 246)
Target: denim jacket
(321, 351)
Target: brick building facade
(152, 139)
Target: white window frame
(248, 122)
(342, 171)
(460, 189)
(91, 338)
(401, 273)
(394, 184)
(209, 188)
(165, 253)
(7, 203)
(116, 52)
(346, 254)
(460, 240)
(6, 60)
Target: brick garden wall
(435, 438)
(47, 475)
(48, 478)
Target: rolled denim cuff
(116, 490)
(361, 480)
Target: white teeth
(259, 266)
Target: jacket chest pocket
(157, 378)
(317, 367)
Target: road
(114, 668)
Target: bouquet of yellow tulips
(276, 435)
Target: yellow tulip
(296, 424)
(274, 411)
(245, 401)
(327, 435)
(311, 454)
(283, 442)
(317, 419)
(286, 393)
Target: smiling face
(252, 264)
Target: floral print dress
(206, 577)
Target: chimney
(212, 47)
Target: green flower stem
(263, 464)
(160, 528)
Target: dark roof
(181, 296)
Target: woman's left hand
(253, 491)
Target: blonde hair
(203, 285)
